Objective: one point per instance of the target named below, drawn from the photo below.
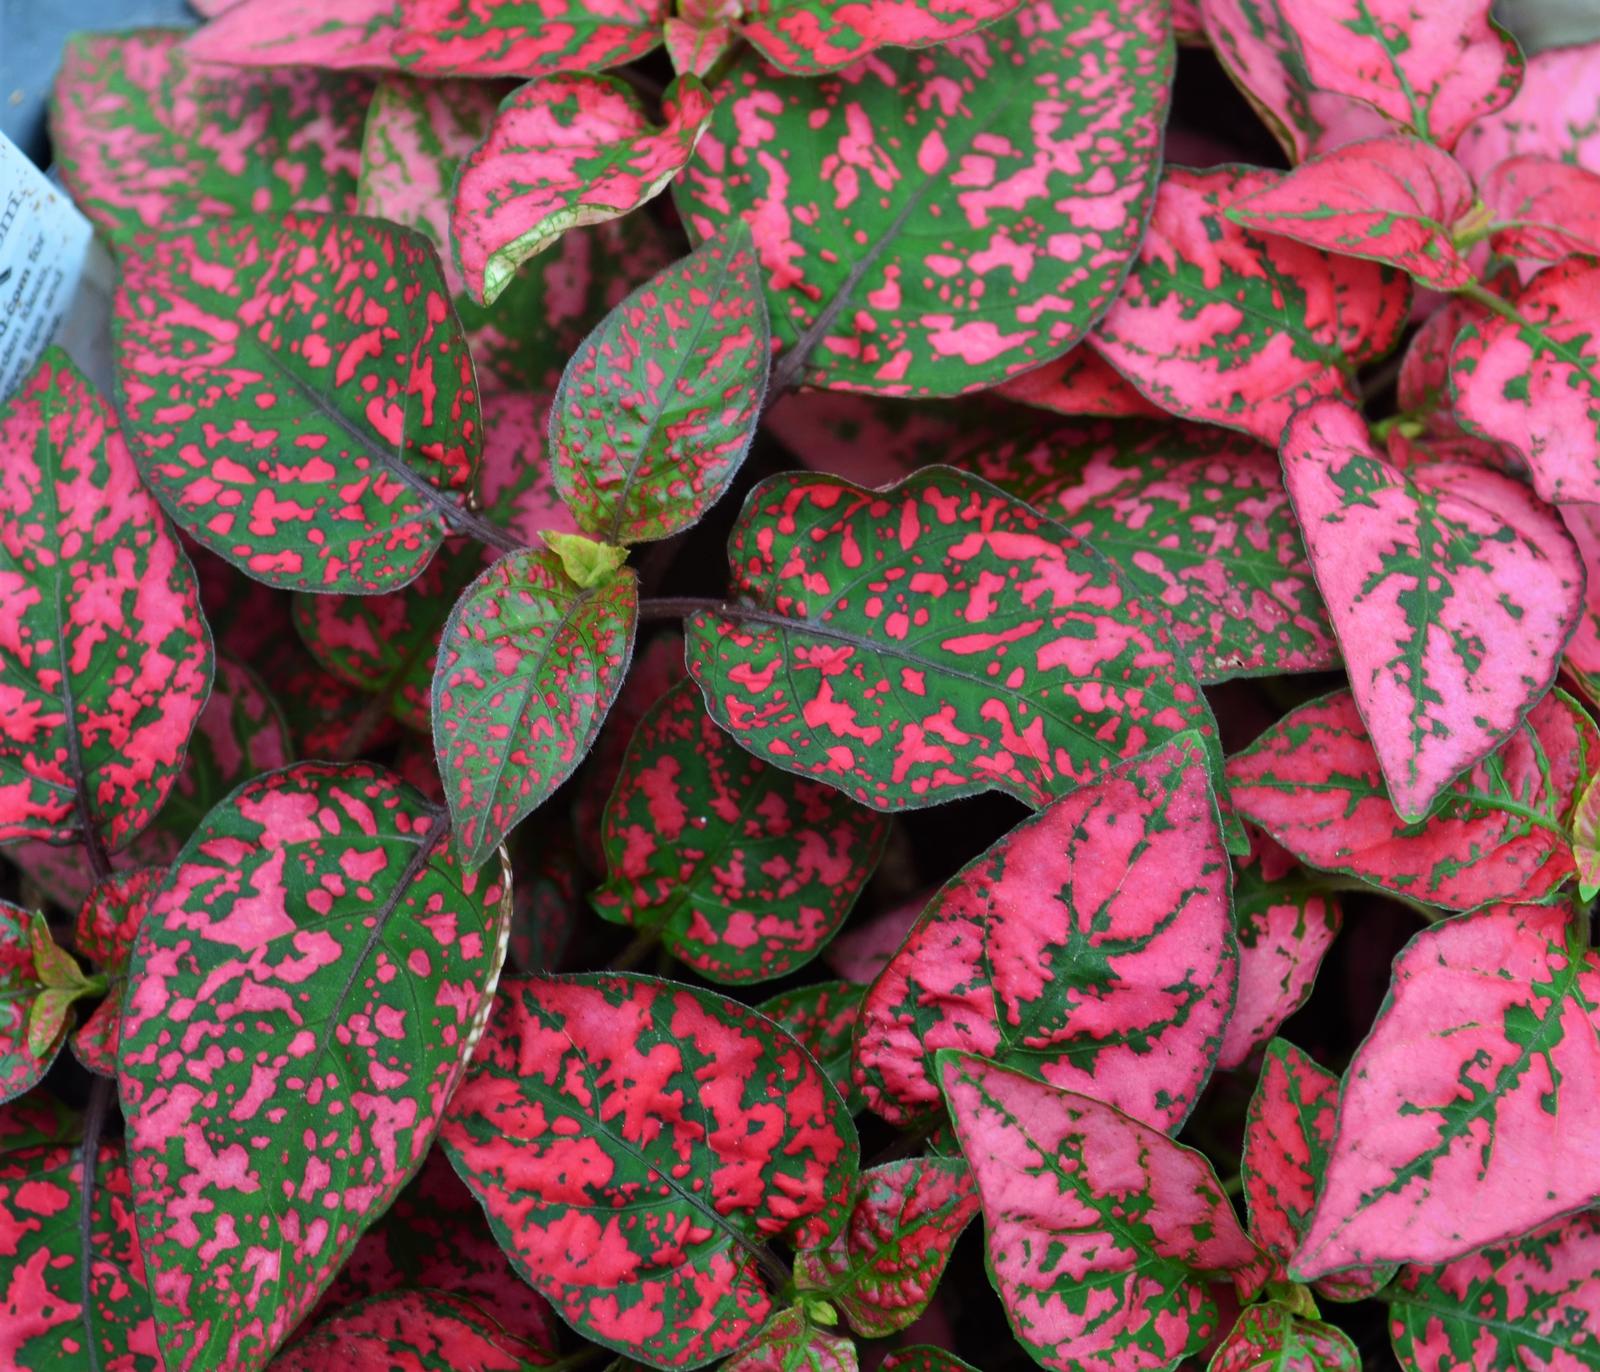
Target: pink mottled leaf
(145, 137)
(924, 1358)
(633, 1143)
(1390, 200)
(822, 1019)
(525, 37)
(657, 409)
(1451, 589)
(296, 33)
(318, 926)
(1222, 324)
(937, 246)
(1271, 1338)
(1529, 377)
(699, 35)
(106, 658)
(883, 1268)
(1196, 521)
(529, 662)
(1582, 659)
(871, 440)
(36, 1118)
(809, 37)
(1079, 382)
(972, 655)
(563, 152)
(46, 1315)
(1531, 1303)
(789, 1342)
(1099, 1227)
(1586, 840)
(1556, 113)
(38, 984)
(1490, 1031)
(746, 870)
(107, 925)
(411, 1331)
(1091, 946)
(1423, 389)
(1543, 209)
(1313, 782)
(300, 395)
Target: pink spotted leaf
(524, 37)
(1313, 781)
(1582, 659)
(1099, 1227)
(528, 665)
(921, 246)
(563, 152)
(1222, 324)
(822, 1017)
(411, 1331)
(107, 659)
(107, 925)
(356, 34)
(1092, 946)
(1079, 382)
(300, 395)
(1272, 1338)
(1543, 209)
(791, 1342)
(1586, 840)
(1451, 589)
(924, 1358)
(971, 660)
(1391, 200)
(38, 984)
(1489, 1030)
(883, 1269)
(658, 407)
(318, 924)
(809, 37)
(1556, 114)
(700, 34)
(667, 1128)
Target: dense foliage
(1076, 559)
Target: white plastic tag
(43, 244)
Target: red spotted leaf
(1422, 392)
(810, 37)
(300, 395)
(516, 486)
(983, 648)
(925, 1358)
(746, 870)
(1283, 929)
(1451, 589)
(1219, 323)
(1582, 659)
(1079, 382)
(38, 984)
(883, 1268)
(1271, 1338)
(295, 33)
(699, 35)
(36, 1118)
(72, 1281)
(922, 246)
(529, 663)
(411, 1331)
(1099, 1228)
(145, 137)
(634, 1143)
(823, 1020)
(863, 951)
(318, 927)
(1091, 946)
(658, 407)
(1197, 522)
(1530, 378)
(563, 152)
(871, 440)
(524, 37)
(1543, 209)
(1314, 783)
(1556, 113)
(106, 658)
(1531, 1303)
(108, 923)
(791, 1343)
(1469, 1114)
(1390, 200)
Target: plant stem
(681, 607)
(476, 526)
(99, 861)
(94, 1122)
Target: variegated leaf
(1091, 946)
(700, 34)
(973, 653)
(563, 152)
(810, 37)
(872, 440)
(746, 870)
(1451, 589)
(1313, 782)
(1392, 200)
(1197, 522)
(1099, 1228)
(1582, 657)
(529, 662)
(634, 1143)
(524, 37)
(791, 1343)
(658, 408)
(823, 1020)
(318, 926)
(1490, 1031)
(300, 395)
(1529, 377)
(883, 1269)
(1543, 209)
(1422, 392)
(144, 137)
(298, 33)
(1530, 1303)
(105, 658)
(1222, 324)
(1079, 382)
(38, 984)
(1556, 113)
(411, 1331)
(1271, 1338)
(924, 246)
(925, 1358)
(107, 925)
